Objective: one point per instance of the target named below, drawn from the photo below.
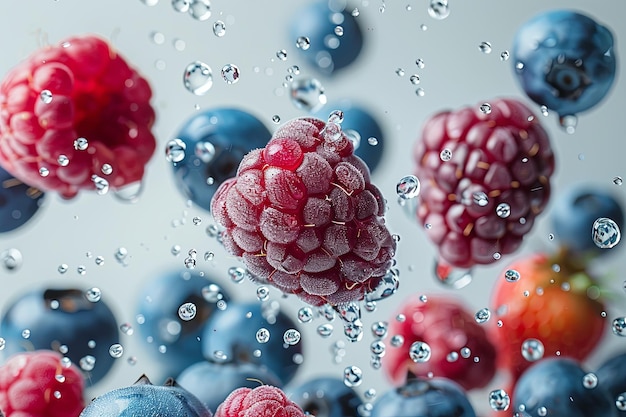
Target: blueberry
(212, 382)
(564, 60)
(436, 397)
(574, 213)
(147, 400)
(173, 341)
(324, 49)
(326, 397)
(556, 386)
(361, 121)
(18, 202)
(231, 335)
(62, 320)
(216, 140)
(612, 377)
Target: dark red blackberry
(485, 175)
(304, 216)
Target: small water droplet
(291, 337)
(11, 259)
(485, 108)
(400, 72)
(303, 43)
(81, 144)
(620, 402)
(511, 275)
(618, 180)
(87, 363)
(485, 47)
(237, 274)
(44, 172)
(408, 187)
(262, 335)
(504, 56)
(93, 294)
(590, 380)
(499, 400)
(532, 350)
(187, 311)
(45, 96)
(81, 269)
(305, 315)
(219, 28)
(263, 293)
(198, 78)
(420, 63)
(445, 155)
(452, 357)
(208, 256)
(175, 150)
(276, 118)
(230, 73)
(482, 315)
(25, 333)
(423, 27)
(569, 123)
(352, 376)
(414, 79)
(420, 92)
(307, 94)
(116, 350)
(325, 330)
(503, 210)
(438, 9)
(127, 329)
(605, 233)
(466, 352)
(420, 352)
(200, 9)
(397, 340)
(544, 111)
(619, 326)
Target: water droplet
(11, 259)
(423, 27)
(618, 180)
(307, 94)
(400, 72)
(503, 210)
(93, 294)
(44, 172)
(325, 330)
(480, 198)
(620, 402)
(619, 326)
(485, 47)
(262, 335)
(605, 233)
(81, 144)
(305, 315)
(408, 187)
(482, 315)
(532, 350)
(377, 348)
(303, 43)
(198, 78)
(208, 256)
(372, 141)
(352, 376)
(450, 276)
(397, 340)
(445, 155)
(87, 363)
(101, 184)
(187, 311)
(379, 329)
(569, 123)
(190, 262)
(511, 275)
(175, 150)
(127, 329)
(466, 352)
(499, 400)
(544, 110)
(590, 380)
(230, 73)
(276, 118)
(219, 28)
(485, 108)
(45, 96)
(452, 357)
(281, 54)
(420, 92)
(420, 352)
(291, 337)
(504, 56)
(3, 343)
(262, 293)
(200, 9)
(181, 6)
(420, 63)
(237, 274)
(415, 79)
(387, 286)
(438, 9)
(355, 12)
(116, 350)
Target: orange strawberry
(554, 301)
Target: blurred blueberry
(215, 142)
(612, 377)
(18, 202)
(564, 60)
(63, 320)
(326, 397)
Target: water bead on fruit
(445, 155)
(485, 108)
(499, 400)
(198, 78)
(466, 352)
(408, 187)
(605, 233)
(230, 73)
(44, 172)
(187, 311)
(532, 350)
(45, 96)
(503, 210)
(101, 184)
(81, 144)
(397, 340)
(420, 352)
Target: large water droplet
(198, 78)
(45, 96)
(387, 286)
(181, 6)
(200, 9)
(590, 380)
(101, 184)
(485, 47)
(303, 43)
(605, 233)
(307, 94)
(503, 210)
(511, 275)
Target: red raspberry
(261, 401)
(39, 384)
(453, 336)
(501, 162)
(304, 216)
(79, 89)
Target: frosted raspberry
(81, 88)
(261, 401)
(485, 176)
(304, 216)
(39, 384)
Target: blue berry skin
(147, 400)
(328, 53)
(574, 212)
(326, 397)
(234, 334)
(557, 385)
(437, 397)
(362, 121)
(232, 133)
(75, 322)
(568, 61)
(18, 202)
(157, 309)
(612, 377)
(212, 382)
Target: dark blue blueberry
(360, 120)
(574, 212)
(213, 382)
(612, 377)
(233, 332)
(60, 319)
(147, 400)
(437, 397)
(175, 342)
(18, 202)
(216, 140)
(557, 384)
(327, 52)
(326, 397)
(564, 60)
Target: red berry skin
(304, 216)
(39, 384)
(503, 157)
(557, 311)
(261, 401)
(446, 326)
(93, 94)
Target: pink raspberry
(62, 95)
(261, 401)
(485, 176)
(40, 384)
(304, 216)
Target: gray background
(456, 74)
